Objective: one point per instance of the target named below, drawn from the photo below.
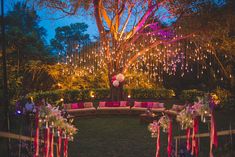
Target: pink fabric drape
(169, 150)
(36, 137)
(59, 143)
(213, 134)
(46, 142)
(51, 154)
(194, 138)
(158, 142)
(188, 133)
(66, 147)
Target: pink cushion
(102, 104)
(88, 104)
(155, 104)
(80, 105)
(144, 104)
(74, 106)
(109, 104)
(116, 104)
(137, 104)
(123, 103)
(161, 105)
(67, 106)
(150, 104)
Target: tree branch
(150, 47)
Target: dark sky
(50, 21)
(50, 24)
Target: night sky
(51, 24)
(50, 21)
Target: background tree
(25, 47)
(69, 39)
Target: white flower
(120, 77)
(116, 83)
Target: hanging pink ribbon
(158, 142)
(59, 143)
(169, 150)
(36, 137)
(194, 138)
(66, 147)
(188, 133)
(213, 134)
(51, 154)
(46, 142)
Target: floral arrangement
(164, 122)
(153, 128)
(214, 100)
(185, 118)
(117, 79)
(51, 117)
(202, 107)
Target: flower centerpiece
(164, 123)
(44, 112)
(153, 128)
(202, 107)
(51, 116)
(185, 118)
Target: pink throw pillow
(109, 104)
(116, 104)
(123, 103)
(88, 104)
(155, 104)
(102, 104)
(74, 106)
(67, 106)
(80, 105)
(150, 104)
(144, 104)
(161, 105)
(137, 104)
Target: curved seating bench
(142, 107)
(80, 109)
(113, 107)
(116, 107)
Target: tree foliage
(130, 29)
(69, 38)
(25, 48)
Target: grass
(125, 136)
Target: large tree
(133, 31)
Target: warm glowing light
(92, 94)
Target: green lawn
(125, 136)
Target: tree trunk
(116, 93)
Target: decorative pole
(169, 147)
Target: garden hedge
(191, 95)
(100, 94)
(142, 93)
